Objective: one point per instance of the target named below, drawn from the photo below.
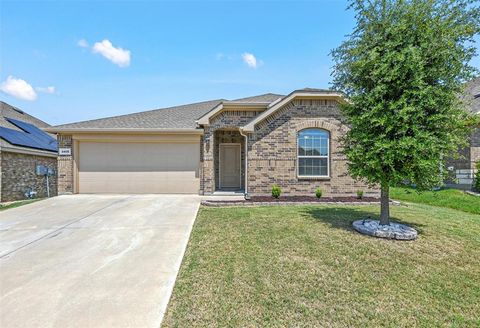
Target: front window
(313, 153)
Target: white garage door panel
(138, 167)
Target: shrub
(318, 192)
(476, 183)
(276, 191)
(359, 194)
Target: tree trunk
(384, 204)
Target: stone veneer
(18, 174)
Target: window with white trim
(313, 153)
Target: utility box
(44, 170)
(41, 170)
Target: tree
(403, 68)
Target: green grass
(451, 198)
(303, 266)
(7, 206)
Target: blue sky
(78, 60)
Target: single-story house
(245, 145)
(464, 166)
(27, 154)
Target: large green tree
(403, 68)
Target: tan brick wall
(227, 120)
(65, 166)
(468, 156)
(18, 173)
(272, 152)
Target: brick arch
(320, 124)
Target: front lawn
(451, 198)
(304, 266)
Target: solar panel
(31, 136)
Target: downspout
(246, 163)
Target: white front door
(230, 166)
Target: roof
(267, 98)
(472, 90)
(20, 131)
(10, 111)
(178, 118)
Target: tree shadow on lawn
(342, 218)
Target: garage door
(113, 167)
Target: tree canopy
(403, 69)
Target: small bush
(476, 183)
(318, 192)
(276, 191)
(359, 194)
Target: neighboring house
(23, 147)
(245, 145)
(464, 167)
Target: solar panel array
(31, 136)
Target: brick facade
(272, 150)
(65, 166)
(225, 121)
(18, 174)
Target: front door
(230, 166)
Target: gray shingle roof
(178, 117)
(268, 97)
(472, 90)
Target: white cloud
(82, 43)
(250, 60)
(18, 88)
(118, 56)
(50, 90)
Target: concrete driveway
(92, 260)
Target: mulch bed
(293, 200)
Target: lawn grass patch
(451, 198)
(6, 206)
(19, 203)
(304, 266)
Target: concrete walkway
(92, 260)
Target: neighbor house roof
(10, 111)
(21, 132)
(472, 91)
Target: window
(313, 153)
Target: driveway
(92, 260)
